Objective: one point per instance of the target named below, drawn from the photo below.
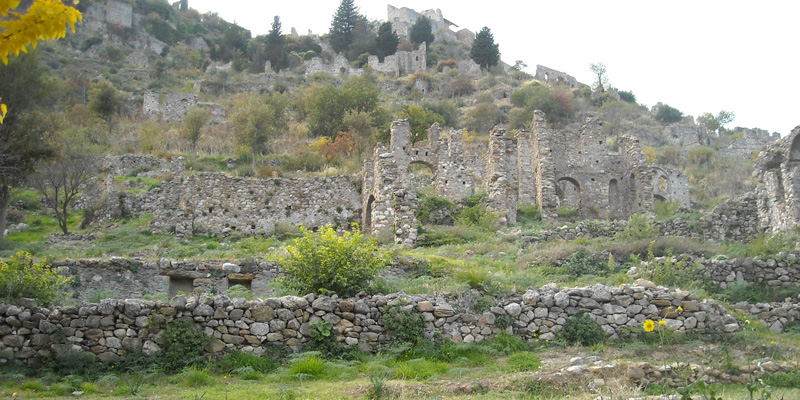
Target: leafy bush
(640, 226)
(434, 204)
(582, 263)
(524, 361)
(22, 277)
(325, 261)
(182, 346)
(323, 340)
(406, 326)
(584, 330)
(627, 96)
(308, 365)
(668, 115)
(666, 209)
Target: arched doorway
(422, 178)
(367, 228)
(568, 191)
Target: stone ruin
(744, 142)
(400, 63)
(557, 78)
(403, 19)
(170, 107)
(778, 190)
(550, 168)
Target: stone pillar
(497, 182)
(401, 136)
(527, 182)
(542, 143)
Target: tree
(422, 31)
(718, 122)
(276, 47)
(44, 20)
(387, 41)
(193, 123)
(668, 115)
(60, 180)
(326, 105)
(420, 120)
(25, 134)
(601, 80)
(256, 122)
(627, 96)
(105, 101)
(484, 50)
(344, 22)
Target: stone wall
(778, 189)
(403, 19)
(135, 277)
(170, 107)
(119, 13)
(736, 220)
(400, 63)
(744, 142)
(108, 328)
(557, 78)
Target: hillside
(268, 217)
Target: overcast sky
(697, 56)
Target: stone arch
(421, 174)
(368, 215)
(658, 197)
(568, 191)
(794, 151)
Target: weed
(307, 365)
(523, 361)
(194, 376)
(237, 360)
(582, 329)
(406, 325)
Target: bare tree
(601, 81)
(60, 182)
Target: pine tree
(276, 46)
(422, 31)
(484, 50)
(387, 41)
(344, 22)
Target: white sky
(698, 56)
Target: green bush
(582, 263)
(22, 277)
(528, 213)
(323, 340)
(584, 330)
(182, 346)
(668, 115)
(432, 204)
(324, 261)
(640, 226)
(405, 326)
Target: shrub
(405, 325)
(325, 261)
(308, 365)
(640, 226)
(22, 277)
(442, 207)
(584, 330)
(582, 263)
(627, 96)
(323, 340)
(524, 361)
(668, 115)
(182, 346)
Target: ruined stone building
(403, 19)
(778, 189)
(398, 64)
(572, 168)
(557, 78)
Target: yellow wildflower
(662, 322)
(649, 325)
(680, 309)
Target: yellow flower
(747, 321)
(649, 325)
(680, 309)
(772, 342)
(662, 322)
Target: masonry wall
(778, 190)
(108, 328)
(557, 78)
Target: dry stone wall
(109, 328)
(557, 78)
(171, 108)
(744, 142)
(778, 190)
(736, 220)
(135, 278)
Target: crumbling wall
(171, 108)
(778, 190)
(403, 19)
(671, 185)
(398, 64)
(135, 278)
(736, 220)
(557, 78)
(250, 326)
(119, 13)
(339, 66)
(575, 169)
(744, 142)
